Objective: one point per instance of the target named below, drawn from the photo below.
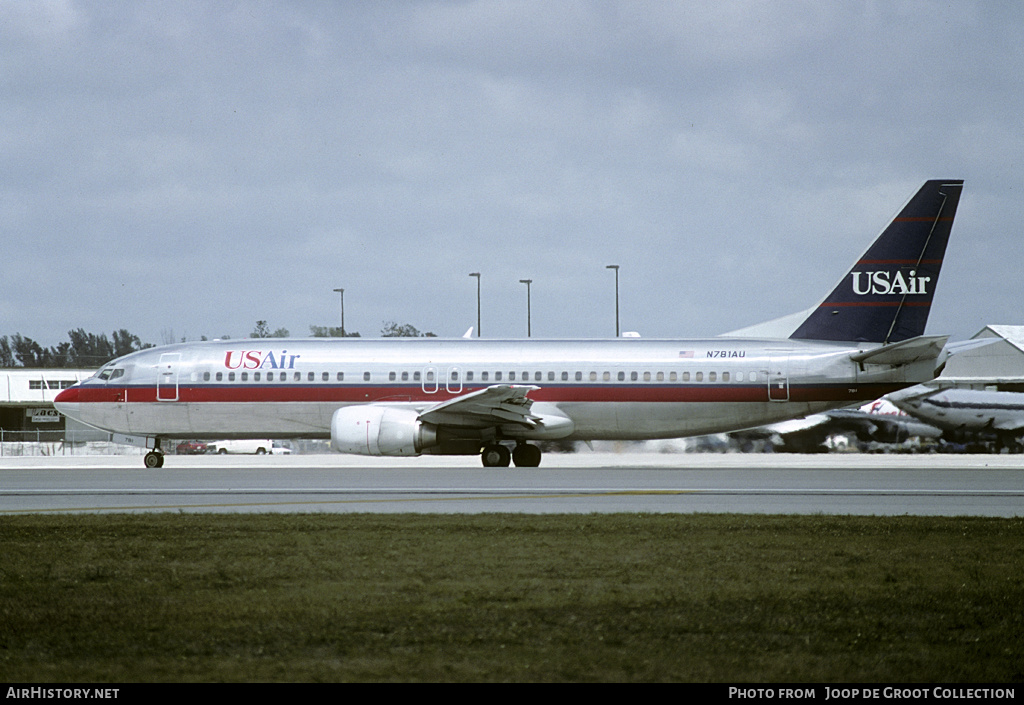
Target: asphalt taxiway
(969, 485)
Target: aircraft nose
(67, 396)
(66, 401)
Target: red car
(191, 448)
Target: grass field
(357, 597)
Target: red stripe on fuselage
(731, 393)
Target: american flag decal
(686, 353)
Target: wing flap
(492, 406)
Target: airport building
(998, 366)
(26, 403)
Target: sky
(185, 169)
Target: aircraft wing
(808, 434)
(493, 406)
(1014, 425)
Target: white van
(247, 446)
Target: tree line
(81, 350)
(88, 350)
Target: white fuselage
(609, 389)
(957, 409)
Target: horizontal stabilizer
(923, 347)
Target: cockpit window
(104, 374)
(109, 373)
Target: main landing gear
(524, 455)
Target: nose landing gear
(155, 457)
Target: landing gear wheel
(526, 456)
(154, 459)
(496, 456)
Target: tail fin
(887, 296)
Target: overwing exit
(497, 398)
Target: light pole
(342, 292)
(616, 268)
(527, 282)
(477, 275)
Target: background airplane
(977, 417)
(878, 421)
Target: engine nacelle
(380, 430)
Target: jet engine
(380, 430)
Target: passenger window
(686, 376)
(537, 376)
(405, 376)
(231, 376)
(416, 376)
(497, 376)
(392, 376)
(622, 376)
(712, 376)
(565, 376)
(671, 376)
(255, 376)
(593, 376)
(607, 376)
(579, 376)
(725, 376)
(483, 376)
(699, 377)
(245, 376)
(366, 376)
(220, 376)
(341, 376)
(270, 376)
(469, 376)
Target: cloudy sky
(184, 169)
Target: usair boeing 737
(404, 397)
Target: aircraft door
(167, 377)
(430, 383)
(454, 381)
(778, 377)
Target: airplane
(413, 396)
(968, 414)
(879, 421)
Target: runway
(986, 485)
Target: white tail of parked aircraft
(402, 397)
